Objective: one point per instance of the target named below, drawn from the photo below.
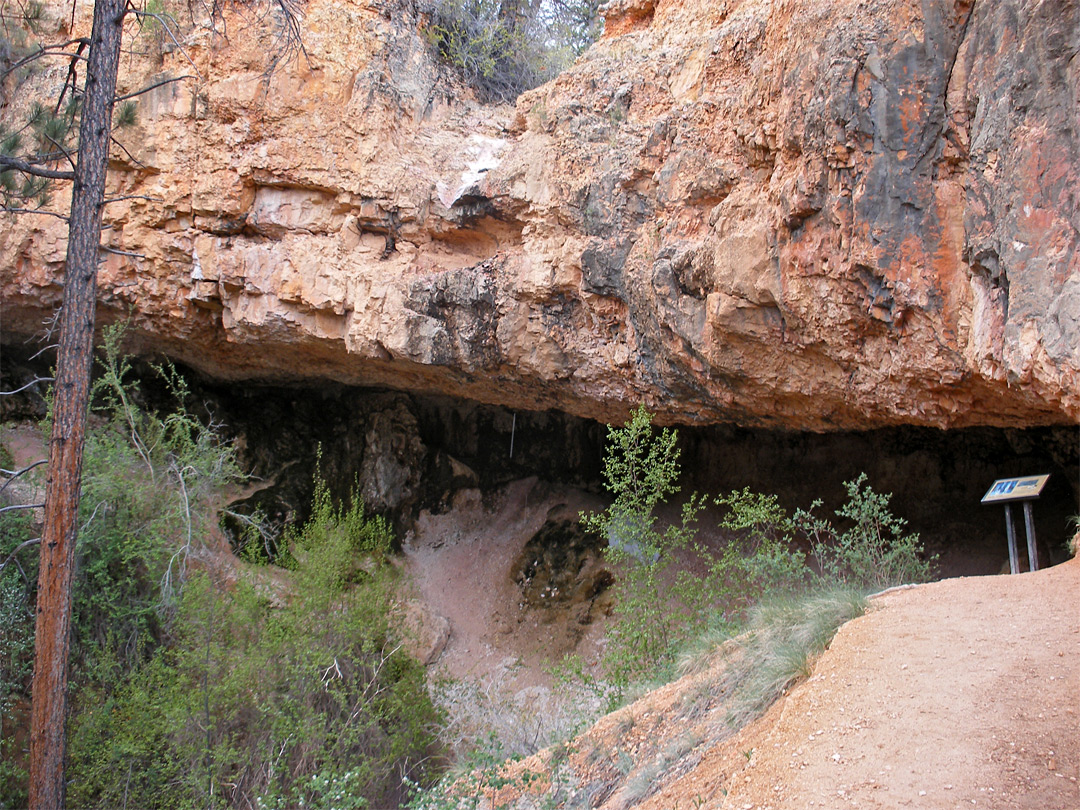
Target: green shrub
(658, 608)
(150, 491)
(16, 665)
(273, 707)
(641, 468)
(873, 552)
(193, 691)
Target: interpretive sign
(1007, 491)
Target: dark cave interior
(408, 452)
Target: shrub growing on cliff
(658, 607)
(873, 552)
(503, 47)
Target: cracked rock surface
(804, 215)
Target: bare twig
(44, 349)
(16, 550)
(154, 86)
(21, 506)
(184, 550)
(131, 157)
(132, 197)
(16, 473)
(35, 211)
(164, 20)
(8, 162)
(59, 49)
(30, 384)
(267, 534)
(118, 252)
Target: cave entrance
(411, 453)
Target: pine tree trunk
(70, 406)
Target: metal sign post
(1008, 491)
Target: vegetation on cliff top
(503, 47)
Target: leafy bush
(150, 491)
(190, 689)
(16, 663)
(640, 470)
(873, 553)
(658, 608)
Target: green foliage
(16, 662)
(502, 48)
(191, 691)
(659, 605)
(874, 552)
(641, 468)
(758, 559)
(312, 704)
(18, 575)
(149, 497)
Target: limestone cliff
(824, 214)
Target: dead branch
(16, 550)
(34, 211)
(118, 252)
(131, 157)
(21, 506)
(154, 86)
(14, 474)
(8, 162)
(33, 382)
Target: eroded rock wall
(810, 215)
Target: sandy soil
(959, 693)
(462, 566)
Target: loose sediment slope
(809, 215)
(960, 693)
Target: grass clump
(784, 636)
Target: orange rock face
(807, 215)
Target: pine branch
(59, 49)
(108, 200)
(41, 211)
(8, 162)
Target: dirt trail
(955, 694)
